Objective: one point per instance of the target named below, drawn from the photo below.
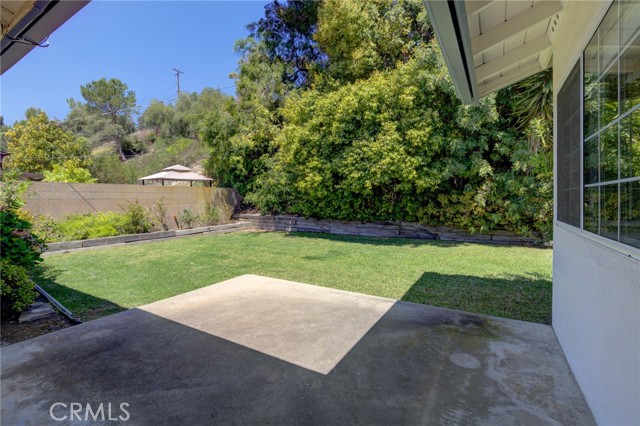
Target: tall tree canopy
(360, 37)
(99, 129)
(186, 118)
(192, 108)
(287, 33)
(32, 112)
(370, 127)
(242, 145)
(113, 99)
(160, 118)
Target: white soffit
(511, 39)
(27, 23)
(11, 11)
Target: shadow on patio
(254, 350)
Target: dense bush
(18, 244)
(188, 219)
(16, 288)
(134, 219)
(138, 219)
(400, 146)
(20, 250)
(91, 225)
(69, 171)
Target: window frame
(614, 245)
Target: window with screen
(611, 126)
(568, 149)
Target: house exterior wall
(596, 283)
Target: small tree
(159, 118)
(38, 143)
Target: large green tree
(37, 144)
(184, 119)
(99, 129)
(242, 142)
(160, 118)
(113, 99)
(287, 33)
(362, 37)
(375, 131)
(399, 145)
(192, 108)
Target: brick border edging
(160, 235)
(387, 229)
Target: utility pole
(178, 72)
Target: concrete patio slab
(261, 351)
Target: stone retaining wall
(123, 239)
(386, 229)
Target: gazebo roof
(177, 168)
(177, 173)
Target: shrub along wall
(136, 238)
(62, 199)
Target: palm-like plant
(533, 108)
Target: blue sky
(138, 42)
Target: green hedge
(400, 146)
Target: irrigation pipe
(67, 313)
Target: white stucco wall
(596, 284)
(596, 316)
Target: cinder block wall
(61, 199)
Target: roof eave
(448, 19)
(41, 21)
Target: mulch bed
(12, 332)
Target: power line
(157, 95)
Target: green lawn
(512, 282)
